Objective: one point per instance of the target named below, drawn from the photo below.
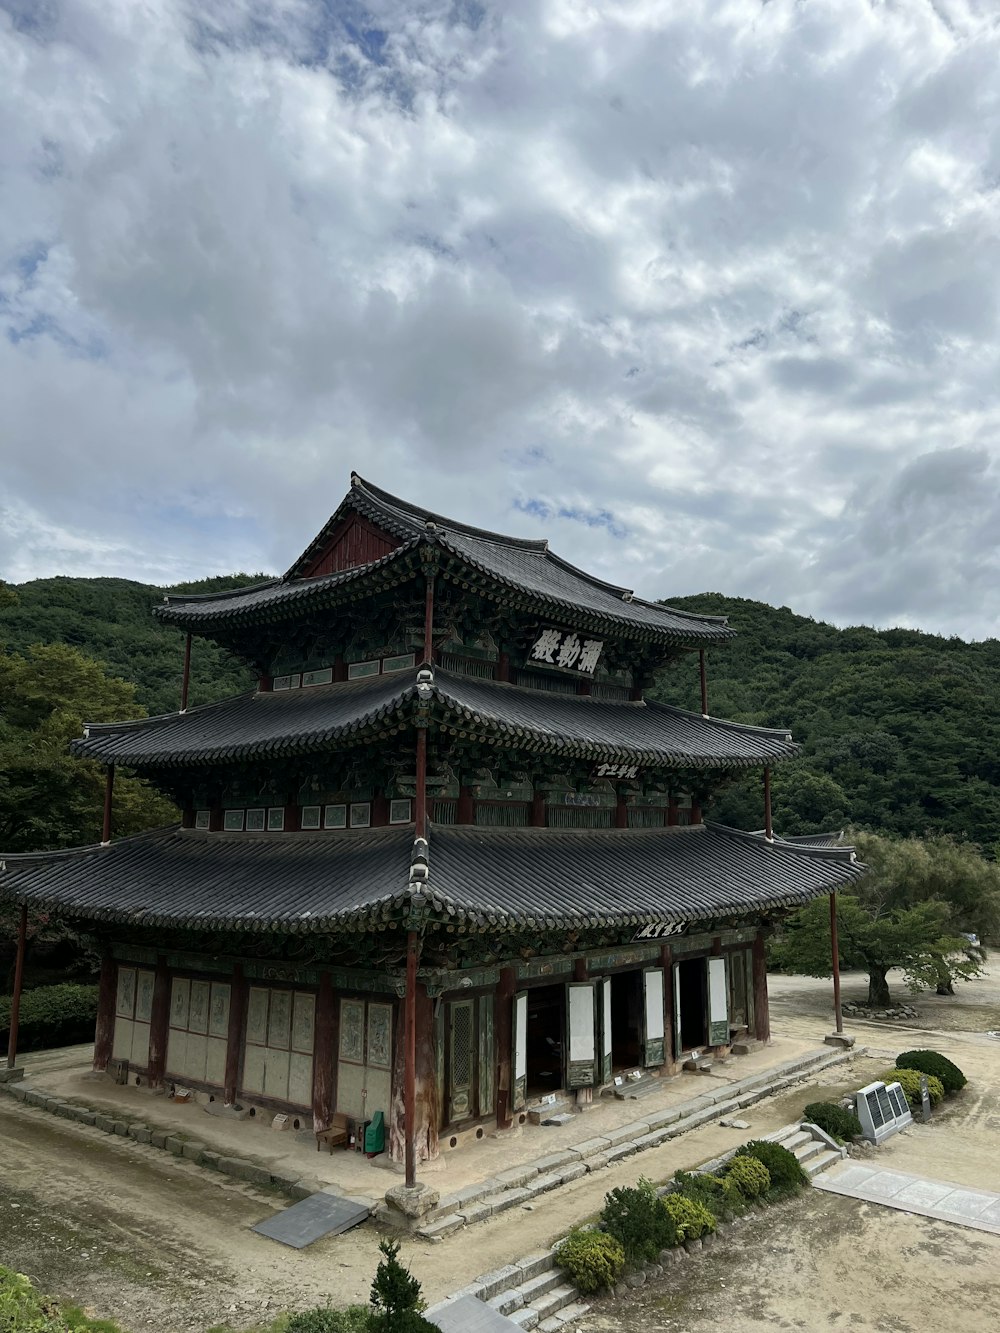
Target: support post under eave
(410, 1061)
(420, 803)
(109, 791)
(15, 1001)
(704, 682)
(835, 953)
(768, 830)
(186, 677)
(429, 618)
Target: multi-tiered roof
(523, 669)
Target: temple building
(446, 859)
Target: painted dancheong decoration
(472, 862)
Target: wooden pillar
(695, 812)
(704, 682)
(503, 666)
(579, 969)
(186, 677)
(109, 791)
(234, 1042)
(464, 813)
(104, 1031)
(538, 810)
(410, 1053)
(429, 618)
(503, 1006)
(324, 1096)
(768, 831)
(15, 1002)
(159, 1023)
(761, 1017)
(667, 963)
(380, 807)
(621, 813)
(427, 1092)
(838, 1013)
(420, 803)
(339, 668)
(672, 811)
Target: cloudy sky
(704, 291)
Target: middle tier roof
(327, 717)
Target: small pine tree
(395, 1296)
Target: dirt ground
(164, 1246)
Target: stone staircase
(532, 1293)
(814, 1149)
(521, 1185)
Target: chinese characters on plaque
(616, 771)
(563, 648)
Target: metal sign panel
(882, 1111)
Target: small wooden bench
(337, 1134)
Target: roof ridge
(784, 732)
(68, 853)
(845, 853)
(222, 593)
(415, 513)
(132, 723)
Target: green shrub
(783, 1166)
(930, 1062)
(355, 1319)
(52, 1016)
(633, 1216)
(909, 1081)
(720, 1196)
(25, 1310)
(690, 1218)
(749, 1176)
(395, 1296)
(839, 1124)
(592, 1259)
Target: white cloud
(707, 294)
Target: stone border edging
(521, 1184)
(179, 1145)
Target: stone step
(539, 1286)
(797, 1138)
(821, 1162)
(805, 1152)
(555, 1300)
(526, 1318)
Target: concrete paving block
(598, 1161)
(444, 1226)
(517, 1175)
(624, 1132)
(661, 1118)
(622, 1150)
(477, 1212)
(542, 1184)
(85, 1116)
(589, 1147)
(532, 1265)
(18, 1091)
(141, 1133)
(104, 1122)
(121, 1128)
(158, 1138)
(192, 1151)
(510, 1199)
(473, 1194)
(572, 1172)
(569, 1314)
(652, 1140)
(497, 1280)
(526, 1318)
(506, 1302)
(174, 1145)
(543, 1165)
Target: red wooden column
(237, 998)
(667, 963)
(428, 1094)
(324, 1097)
(104, 1032)
(410, 1053)
(768, 831)
(429, 617)
(503, 1007)
(761, 1017)
(537, 810)
(159, 1023)
(704, 682)
(15, 1003)
(186, 676)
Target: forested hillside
(900, 730)
(111, 620)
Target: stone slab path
(979, 1209)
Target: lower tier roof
(489, 879)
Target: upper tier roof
(491, 878)
(308, 720)
(526, 569)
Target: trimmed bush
(717, 1193)
(633, 1216)
(52, 1016)
(690, 1218)
(25, 1310)
(749, 1176)
(591, 1259)
(909, 1081)
(783, 1166)
(930, 1062)
(839, 1124)
(355, 1319)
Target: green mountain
(111, 620)
(900, 729)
